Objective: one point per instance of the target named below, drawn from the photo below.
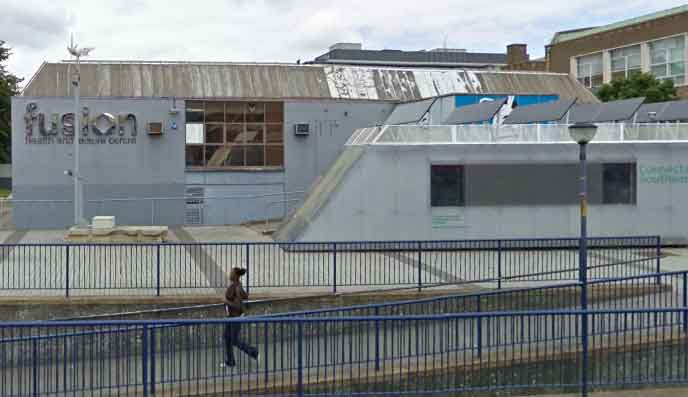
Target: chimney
(517, 53)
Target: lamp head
(582, 133)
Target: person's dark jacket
(234, 300)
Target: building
(220, 143)
(655, 43)
(354, 54)
(466, 181)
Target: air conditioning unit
(302, 129)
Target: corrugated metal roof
(578, 33)
(263, 81)
(411, 57)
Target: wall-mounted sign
(56, 128)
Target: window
(667, 59)
(446, 186)
(234, 134)
(619, 183)
(589, 70)
(625, 62)
(541, 184)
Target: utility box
(103, 222)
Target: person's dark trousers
(232, 338)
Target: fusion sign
(58, 128)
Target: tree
(8, 87)
(638, 85)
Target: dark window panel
(274, 156)
(194, 156)
(446, 186)
(235, 157)
(274, 112)
(274, 133)
(235, 112)
(255, 156)
(255, 112)
(215, 112)
(619, 183)
(215, 155)
(214, 133)
(255, 133)
(235, 133)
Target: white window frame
(588, 66)
(625, 69)
(668, 62)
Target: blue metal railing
(203, 267)
(369, 355)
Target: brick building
(656, 43)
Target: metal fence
(174, 268)
(375, 355)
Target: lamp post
(76, 82)
(582, 134)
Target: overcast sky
(287, 30)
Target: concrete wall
(332, 122)
(153, 166)
(246, 189)
(386, 196)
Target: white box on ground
(103, 222)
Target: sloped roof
(285, 81)
(560, 37)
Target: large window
(530, 184)
(625, 62)
(446, 186)
(234, 134)
(589, 70)
(667, 59)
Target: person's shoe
(227, 364)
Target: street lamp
(77, 52)
(582, 134)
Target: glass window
(255, 156)
(255, 133)
(589, 70)
(274, 133)
(274, 112)
(446, 186)
(667, 58)
(215, 112)
(234, 134)
(195, 112)
(255, 112)
(194, 133)
(214, 133)
(194, 156)
(619, 183)
(274, 155)
(625, 62)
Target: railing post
(420, 266)
(144, 360)
(334, 268)
(685, 302)
(34, 367)
(499, 263)
(67, 271)
(377, 339)
(479, 330)
(300, 359)
(584, 343)
(658, 253)
(157, 270)
(248, 264)
(152, 361)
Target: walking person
(235, 295)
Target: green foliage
(8, 88)
(638, 85)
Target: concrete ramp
(295, 224)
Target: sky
(288, 30)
